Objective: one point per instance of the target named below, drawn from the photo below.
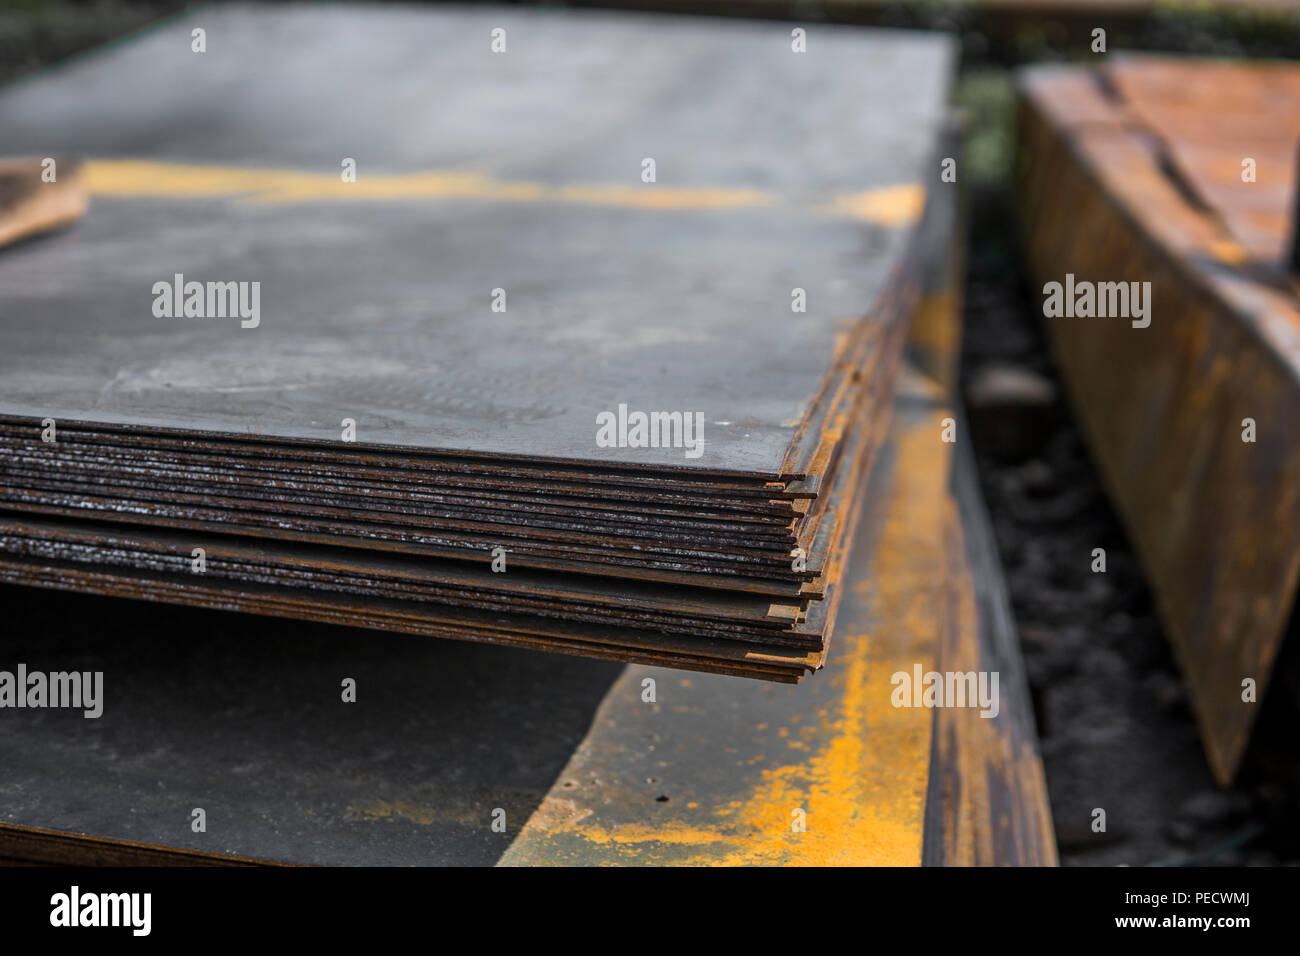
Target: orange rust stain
(1229, 252)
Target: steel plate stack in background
(555, 219)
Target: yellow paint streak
(628, 834)
(937, 338)
(406, 810)
(863, 787)
(932, 328)
(138, 178)
(891, 206)
(662, 197)
(135, 179)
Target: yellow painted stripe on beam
(862, 776)
(887, 206)
(890, 206)
(866, 787)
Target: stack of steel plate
(487, 770)
(567, 331)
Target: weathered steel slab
(483, 621)
(775, 170)
(695, 630)
(1192, 418)
(1210, 121)
(733, 758)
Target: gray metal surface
(379, 310)
(243, 717)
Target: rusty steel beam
(1181, 174)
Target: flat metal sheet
(476, 171)
(244, 719)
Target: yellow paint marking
(662, 197)
(937, 338)
(131, 178)
(932, 328)
(863, 786)
(889, 206)
(139, 178)
(864, 790)
(630, 834)
(406, 810)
